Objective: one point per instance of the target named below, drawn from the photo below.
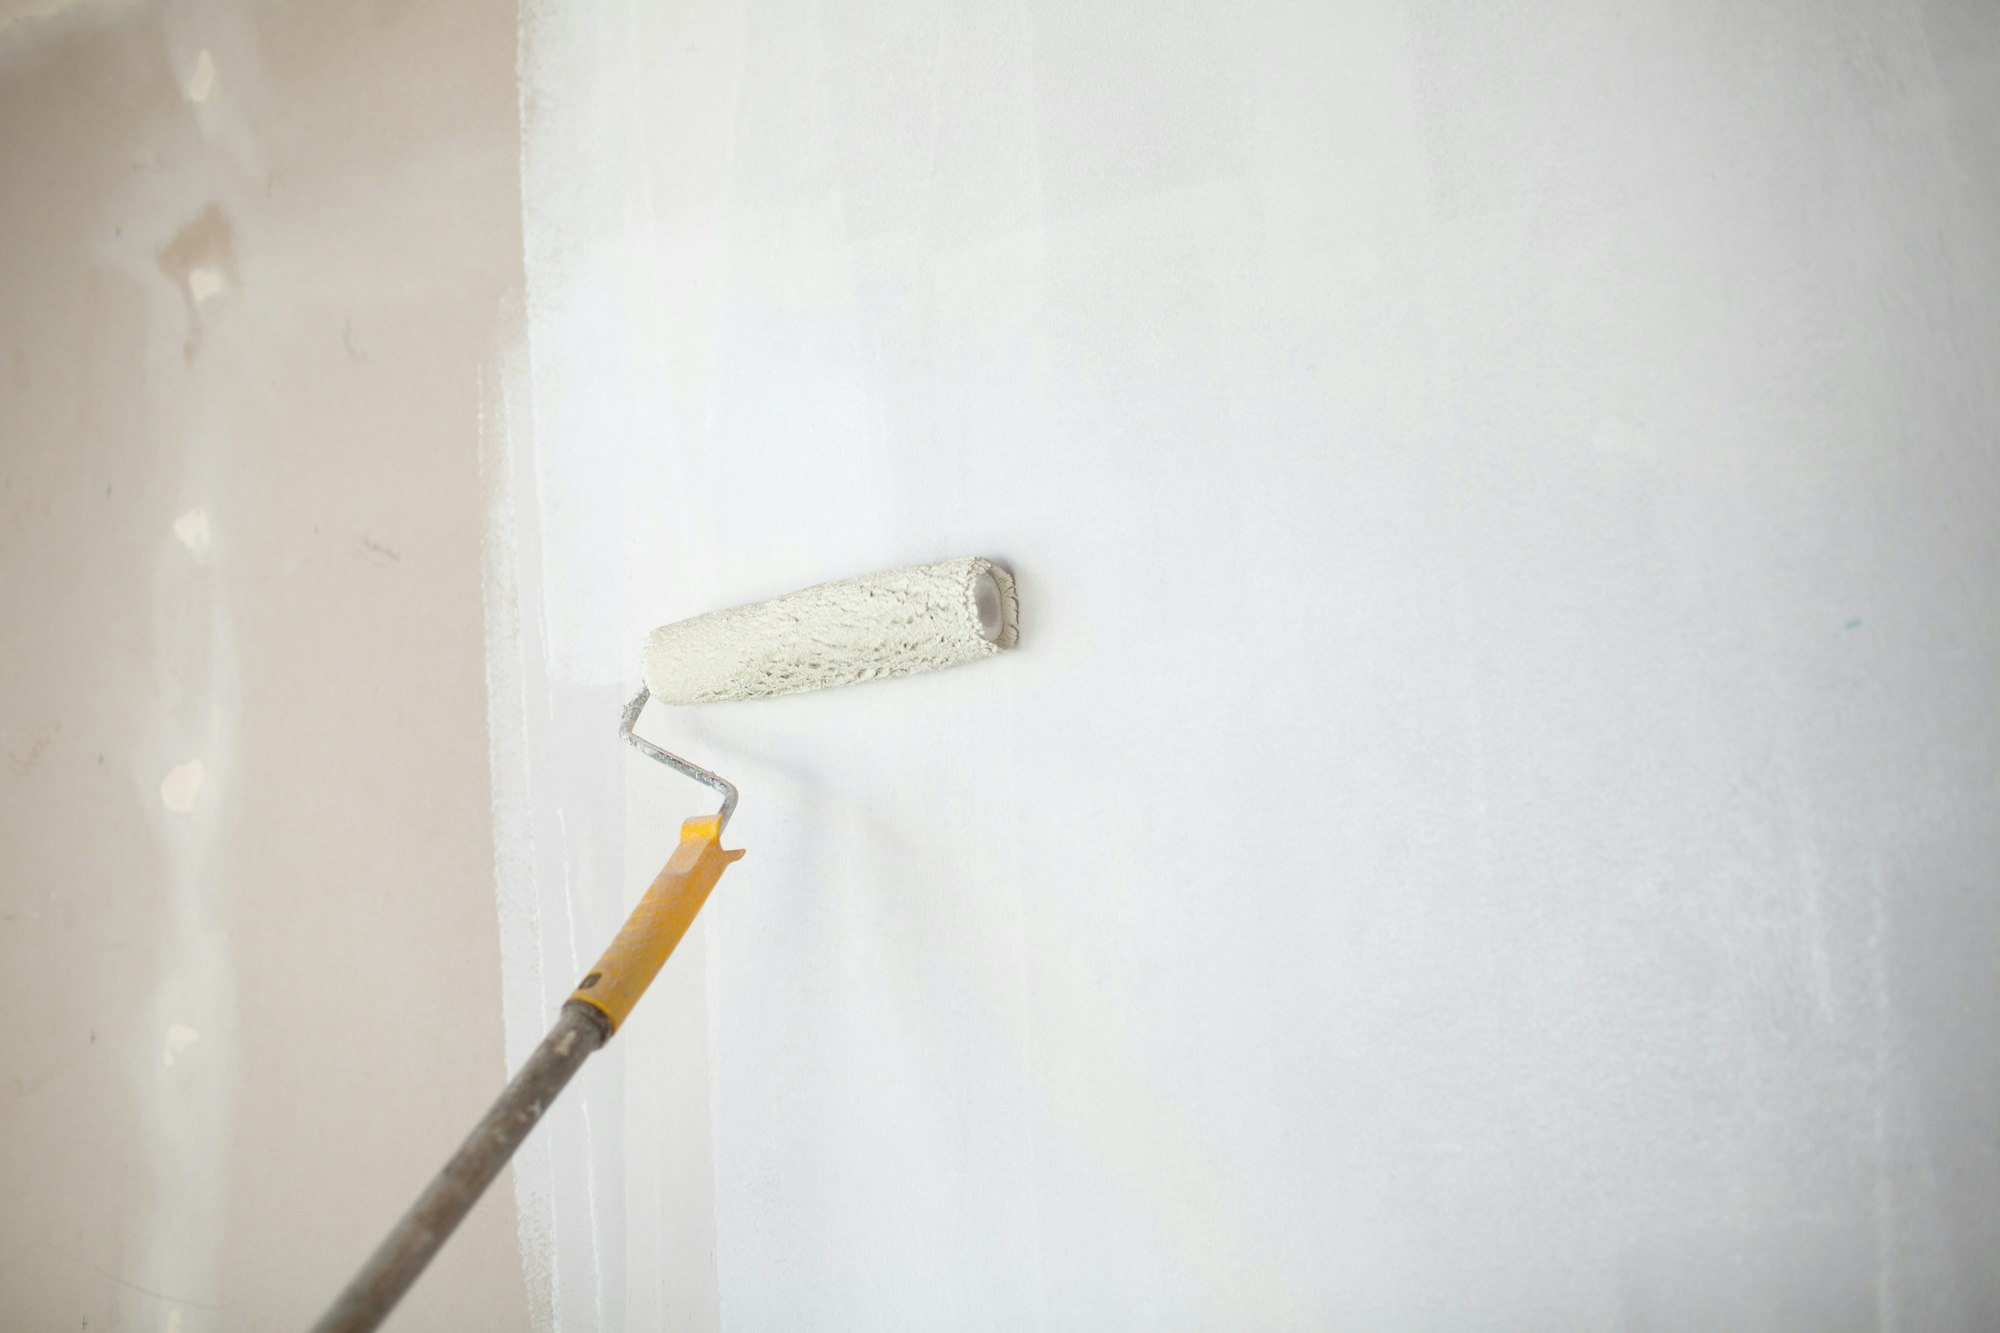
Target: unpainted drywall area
(256, 260)
(1491, 823)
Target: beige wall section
(254, 259)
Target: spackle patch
(192, 529)
(179, 1037)
(180, 786)
(202, 82)
(201, 262)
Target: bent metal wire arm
(674, 761)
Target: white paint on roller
(867, 628)
(181, 785)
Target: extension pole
(398, 1261)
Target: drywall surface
(254, 262)
(1491, 821)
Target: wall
(256, 261)
(1491, 820)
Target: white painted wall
(1491, 823)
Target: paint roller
(877, 626)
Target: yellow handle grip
(657, 923)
